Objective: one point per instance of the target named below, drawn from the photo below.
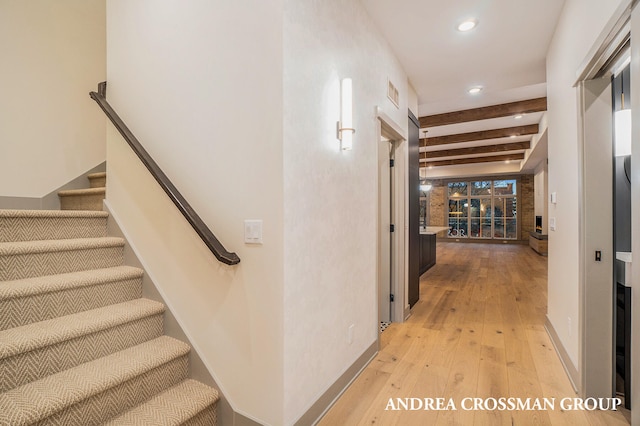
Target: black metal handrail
(165, 183)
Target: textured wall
(331, 196)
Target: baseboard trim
(407, 312)
(569, 368)
(51, 200)
(20, 203)
(331, 395)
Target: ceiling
(505, 54)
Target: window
(483, 209)
(458, 209)
(480, 202)
(480, 218)
(458, 189)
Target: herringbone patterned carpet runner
(78, 343)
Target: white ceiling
(505, 53)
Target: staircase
(85, 199)
(78, 343)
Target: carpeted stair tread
(97, 180)
(27, 259)
(28, 225)
(46, 333)
(66, 390)
(79, 345)
(45, 246)
(53, 283)
(81, 192)
(41, 298)
(175, 406)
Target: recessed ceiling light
(475, 90)
(518, 117)
(467, 25)
(508, 161)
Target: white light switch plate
(253, 231)
(552, 223)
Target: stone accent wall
(437, 199)
(526, 206)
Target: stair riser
(41, 307)
(28, 265)
(98, 182)
(39, 228)
(33, 365)
(102, 407)
(206, 417)
(82, 202)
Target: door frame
(391, 130)
(597, 295)
(595, 378)
(386, 196)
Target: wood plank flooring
(477, 331)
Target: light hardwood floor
(477, 331)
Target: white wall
(412, 103)
(53, 54)
(330, 195)
(200, 84)
(581, 23)
(541, 198)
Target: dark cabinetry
(427, 252)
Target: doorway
(391, 217)
(386, 154)
(596, 234)
(602, 359)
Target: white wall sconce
(345, 125)
(622, 133)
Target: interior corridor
(477, 331)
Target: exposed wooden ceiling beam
(484, 113)
(531, 129)
(487, 149)
(490, 159)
